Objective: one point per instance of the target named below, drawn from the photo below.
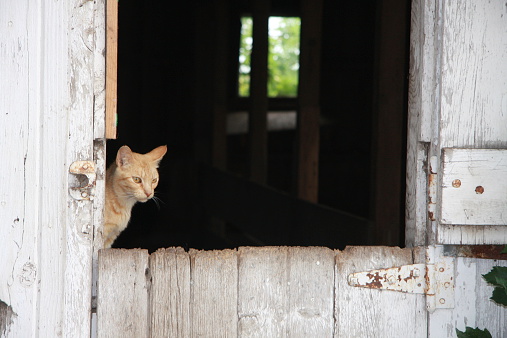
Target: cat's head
(137, 174)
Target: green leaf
(473, 333)
(490, 277)
(497, 276)
(499, 296)
(504, 249)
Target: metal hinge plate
(87, 190)
(435, 279)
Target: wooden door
(456, 164)
(456, 187)
(51, 115)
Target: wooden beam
(220, 84)
(259, 92)
(390, 108)
(309, 106)
(111, 67)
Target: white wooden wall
(51, 85)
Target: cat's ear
(156, 154)
(124, 156)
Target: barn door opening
(180, 88)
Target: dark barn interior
(336, 179)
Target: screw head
(479, 190)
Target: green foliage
(245, 52)
(473, 333)
(283, 57)
(498, 277)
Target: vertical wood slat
(111, 67)
(420, 101)
(259, 92)
(122, 295)
(214, 293)
(286, 292)
(389, 122)
(20, 82)
(80, 146)
(473, 76)
(263, 292)
(170, 293)
(220, 78)
(308, 97)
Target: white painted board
(474, 75)
(474, 187)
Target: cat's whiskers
(157, 201)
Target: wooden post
(111, 67)
(259, 93)
(309, 107)
(220, 78)
(389, 128)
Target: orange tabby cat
(132, 178)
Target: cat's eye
(154, 180)
(136, 179)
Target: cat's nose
(148, 194)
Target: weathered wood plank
(214, 293)
(311, 292)
(122, 303)
(361, 312)
(474, 185)
(111, 67)
(473, 209)
(263, 292)
(420, 112)
(99, 64)
(20, 151)
(170, 293)
(53, 219)
(78, 226)
(286, 292)
(474, 75)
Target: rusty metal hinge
(87, 190)
(435, 279)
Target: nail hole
(479, 189)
